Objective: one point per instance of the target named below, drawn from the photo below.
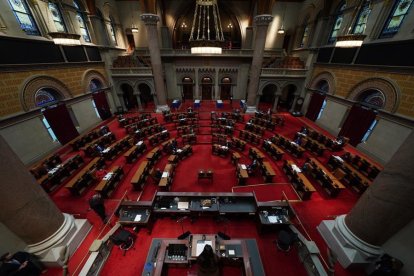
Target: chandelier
(206, 35)
(65, 38)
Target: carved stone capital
(263, 20)
(150, 19)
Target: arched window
(305, 34)
(45, 96)
(339, 16)
(24, 17)
(396, 17)
(112, 29)
(81, 19)
(95, 85)
(362, 18)
(372, 98)
(57, 17)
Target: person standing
(208, 262)
(96, 203)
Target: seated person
(304, 130)
(189, 109)
(208, 262)
(252, 167)
(20, 263)
(157, 175)
(340, 140)
(298, 140)
(99, 148)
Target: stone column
(217, 86)
(197, 92)
(274, 109)
(292, 108)
(150, 21)
(27, 211)
(262, 22)
(385, 208)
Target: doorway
(225, 92)
(207, 88)
(130, 100)
(287, 97)
(145, 94)
(187, 88)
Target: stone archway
(92, 75)
(130, 101)
(287, 97)
(188, 84)
(225, 89)
(386, 87)
(36, 83)
(145, 94)
(321, 81)
(207, 88)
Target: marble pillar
(150, 21)
(385, 208)
(262, 23)
(274, 109)
(28, 212)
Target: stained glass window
(57, 17)
(362, 18)
(372, 98)
(82, 24)
(339, 17)
(112, 29)
(24, 17)
(44, 96)
(95, 85)
(394, 21)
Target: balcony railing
(283, 72)
(127, 71)
(225, 53)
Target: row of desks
(85, 177)
(250, 137)
(328, 181)
(299, 181)
(259, 130)
(123, 121)
(287, 144)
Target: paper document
(272, 219)
(296, 168)
(243, 166)
(164, 174)
(232, 252)
(140, 143)
(183, 205)
(200, 246)
(108, 176)
(137, 218)
(338, 158)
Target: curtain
(315, 106)
(101, 104)
(61, 123)
(357, 123)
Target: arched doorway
(287, 97)
(130, 100)
(268, 94)
(225, 92)
(206, 88)
(187, 88)
(145, 94)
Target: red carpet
(310, 212)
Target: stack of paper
(137, 218)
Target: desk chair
(285, 240)
(124, 239)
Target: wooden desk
(153, 155)
(273, 150)
(205, 174)
(173, 159)
(83, 178)
(267, 172)
(140, 176)
(185, 151)
(237, 143)
(110, 181)
(242, 174)
(254, 153)
(235, 157)
(132, 154)
(220, 150)
(299, 181)
(329, 182)
(167, 177)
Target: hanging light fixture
(206, 35)
(282, 29)
(350, 40)
(134, 28)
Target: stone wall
(12, 83)
(347, 78)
